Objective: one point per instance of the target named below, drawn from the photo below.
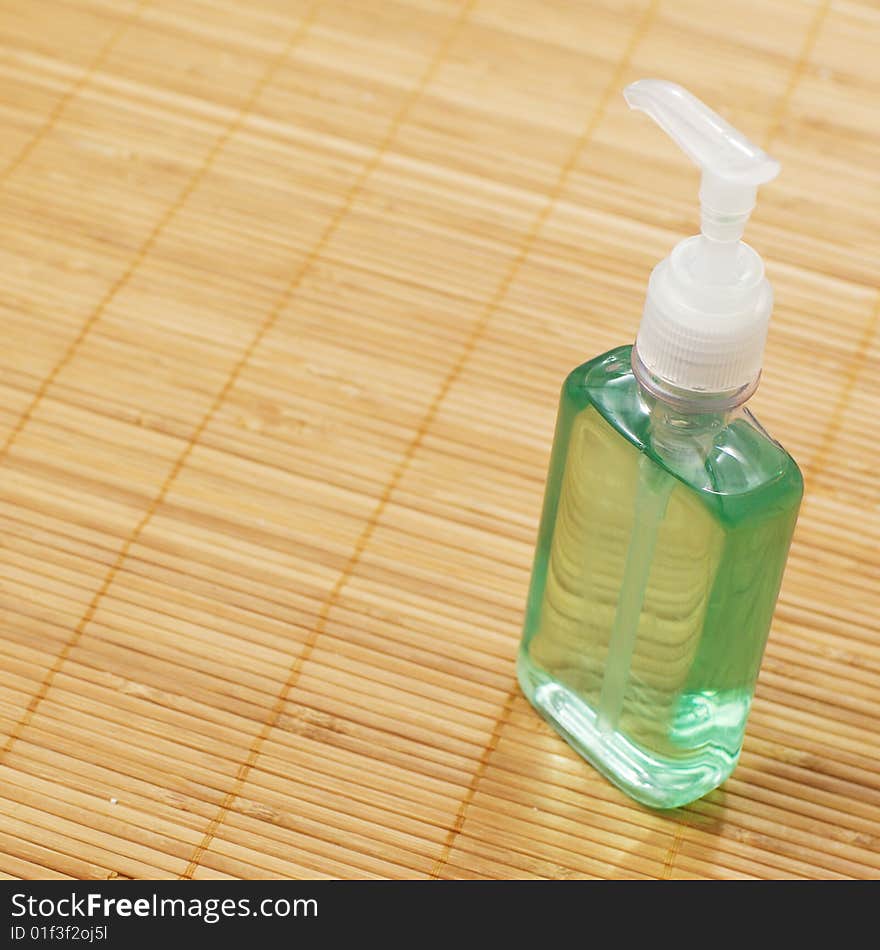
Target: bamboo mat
(288, 290)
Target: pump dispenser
(669, 510)
(708, 303)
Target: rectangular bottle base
(655, 781)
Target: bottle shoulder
(725, 454)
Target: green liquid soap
(661, 550)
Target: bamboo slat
(287, 292)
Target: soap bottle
(669, 510)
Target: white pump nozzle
(732, 166)
(708, 303)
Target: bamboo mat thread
(332, 673)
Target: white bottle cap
(708, 304)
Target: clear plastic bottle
(662, 545)
(669, 511)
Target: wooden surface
(288, 290)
